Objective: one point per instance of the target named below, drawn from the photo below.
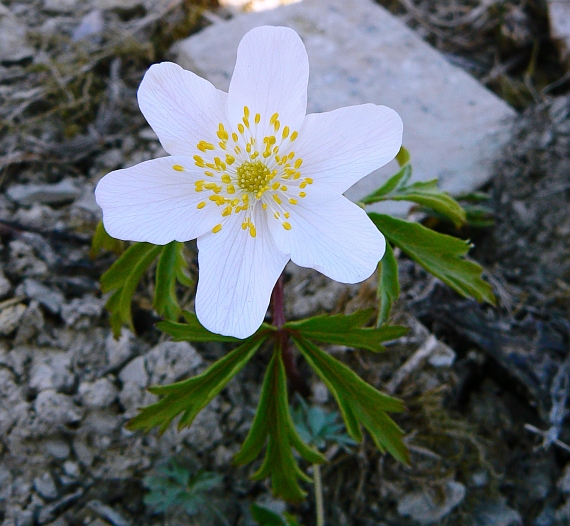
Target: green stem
(319, 495)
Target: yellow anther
(271, 139)
(291, 155)
(178, 168)
(246, 112)
(199, 161)
(227, 211)
(244, 225)
(292, 201)
(231, 189)
(210, 186)
(284, 188)
(276, 126)
(276, 215)
(285, 132)
(274, 117)
(257, 118)
(235, 136)
(209, 174)
(276, 199)
(254, 155)
(222, 145)
(234, 202)
(246, 122)
(276, 149)
(286, 225)
(251, 230)
(248, 148)
(287, 215)
(200, 182)
(298, 163)
(302, 194)
(204, 146)
(221, 127)
(220, 165)
(245, 198)
(237, 149)
(303, 184)
(297, 175)
(223, 135)
(201, 205)
(266, 154)
(216, 229)
(226, 179)
(264, 206)
(309, 180)
(230, 159)
(212, 166)
(294, 135)
(240, 127)
(275, 186)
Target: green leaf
(194, 331)
(388, 285)
(345, 330)
(424, 193)
(190, 396)
(266, 517)
(272, 424)
(103, 241)
(429, 195)
(359, 403)
(123, 277)
(172, 266)
(439, 254)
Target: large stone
(559, 20)
(53, 194)
(358, 52)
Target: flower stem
(296, 381)
(319, 495)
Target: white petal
(271, 76)
(181, 107)
(237, 274)
(155, 203)
(332, 235)
(340, 147)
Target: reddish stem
(296, 381)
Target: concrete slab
(358, 52)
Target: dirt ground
(485, 418)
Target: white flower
(253, 178)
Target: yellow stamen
(286, 225)
(201, 205)
(178, 168)
(217, 228)
(294, 136)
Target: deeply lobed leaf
(273, 425)
(388, 290)
(359, 402)
(194, 331)
(439, 254)
(189, 397)
(346, 330)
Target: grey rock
(51, 299)
(37, 216)
(57, 448)
(559, 19)
(13, 43)
(496, 513)
(121, 5)
(564, 481)
(54, 410)
(71, 469)
(358, 52)
(31, 323)
(24, 262)
(427, 508)
(5, 285)
(119, 351)
(100, 422)
(171, 361)
(45, 486)
(5, 483)
(135, 372)
(10, 316)
(91, 25)
(61, 6)
(79, 313)
(107, 513)
(83, 451)
(442, 356)
(28, 194)
(132, 397)
(99, 394)
(51, 369)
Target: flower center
(253, 177)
